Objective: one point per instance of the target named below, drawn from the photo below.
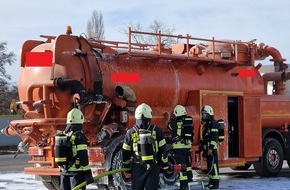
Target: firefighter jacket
(210, 135)
(182, 129)
(131, 148)
(79, 160)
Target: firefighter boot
(211, 186)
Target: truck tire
(124, 183)
(119, 179)
(53, 184)
(168, 179)
(288, 162)
(271, 162)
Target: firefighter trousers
(213, 170)
(71, 180)
(144, 177)
(183, 157)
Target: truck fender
(273, 133)
(114, 145)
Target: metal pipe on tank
(277, 58)
(127, 94)
(279, 86)
(252, 54)
(274, 53)
(43, 123)
(276, 77)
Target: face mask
(143, 123)
(204, 117)
(68, 128)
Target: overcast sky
(267, 21)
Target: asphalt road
(12, 177)
(9, 164)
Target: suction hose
(174, 168)
(100, 176)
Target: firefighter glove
(166, 169)
(127, 166)
(89, 177)
(202, 146)
(77, 162)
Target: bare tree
(8, 90)
(95, 26)
(4, 59)
(154, 27)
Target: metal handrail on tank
(123, 45)
(157, 50)
(188, 38)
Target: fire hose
(100, 176)
(175, 168)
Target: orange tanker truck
(109, 79)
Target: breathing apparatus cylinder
(62, 149)
(221, 129)
(145, 144)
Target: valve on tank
(108, 131)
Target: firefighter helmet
(143, 111)
(207, 109)
(179, 110)
(75, 116)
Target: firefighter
(75, 169)
(209, 145)
(144, 151)
(181, 126)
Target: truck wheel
(245, 167)
(272, 158)
(168, 179)
(288, 162)
(119, 179)
(53, 184)
(124, 183)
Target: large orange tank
(107, 80)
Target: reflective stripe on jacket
(210, 134)
(130, 145)
(176, 126)
(79, 162)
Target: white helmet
(143, 111)
(179, 110)
(207, 109)
(75, 116)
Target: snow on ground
(237, 181)
(13, 178)
(19, 181)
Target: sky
(267, 21)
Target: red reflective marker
(39, 59)
(246, 73)
(125, 77)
